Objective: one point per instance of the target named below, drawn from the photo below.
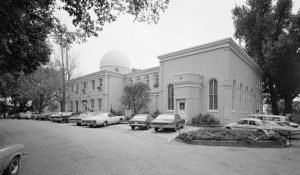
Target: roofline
(143, 71)
(223, 43)
(98, 73)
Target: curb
(261, 144)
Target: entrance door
(181, 108)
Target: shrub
(207, 119)
(155, 114)
(221, 134)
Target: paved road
(66, 149)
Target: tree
(26, 24)
(136, 97)
(271, 37)
(63, 75)
(37, 87)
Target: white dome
(115, 60)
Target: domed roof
(114, 59)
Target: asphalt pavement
(67, 149)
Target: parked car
(56, 116)
(251, 124)
(10, 156)
(141, 120)
(283, 129)
(34, 115)
(274, 118)
(43, 116)
(78, 118)
(14, 116)
(167, 121)
(102, 119)
(25, 115)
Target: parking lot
(64, 148)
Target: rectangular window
(93, 84)
(100, 84)
(99, 104)
(77, 88)
(92, 105)
(71, 105)
(72, 88)
(182, 106)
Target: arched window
(155, 80)
(241, 95)
(170, 97)
(233, 95)
(213, 94)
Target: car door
(111, 118)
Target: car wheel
(79, 124)
(156, 129)
(227, 128)
(104, 124)
(13, 167)
(175, 128)
(132, 127)
(148, 127)
(120, 121)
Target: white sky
(186, 23)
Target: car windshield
(140, 117)
(281, 124)
(166, 117)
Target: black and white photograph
(149, 87)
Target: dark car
(167, 121)
(141, 120)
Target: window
(84, 87)
(92, 105)
(116, 69)
(72, 88)
(241, 95)
(233, 95)
(181, 106)
(77, 88)
(100, 84)
(71, 106)
(99, 104)
(155, 80)
(93, 84)
(170, 97)
(213, 94)
(147, 80)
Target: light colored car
(167, 121)
(102, 119)
(25, 115)
(274, 118)
(140, 120)
(78, 118)
(10, 159)
(56, 116)
(283, 129)
(251, 124)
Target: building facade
(218, 78)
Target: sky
(186, 23)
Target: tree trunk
(288, 104)
(273, 97)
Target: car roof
(267, 115)
(253, 119)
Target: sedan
(168, 121)
(251, 124)
(102, 119)
(78, 118)
(141, 120)
(10, 156)
(56, 116)
(283, 129)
